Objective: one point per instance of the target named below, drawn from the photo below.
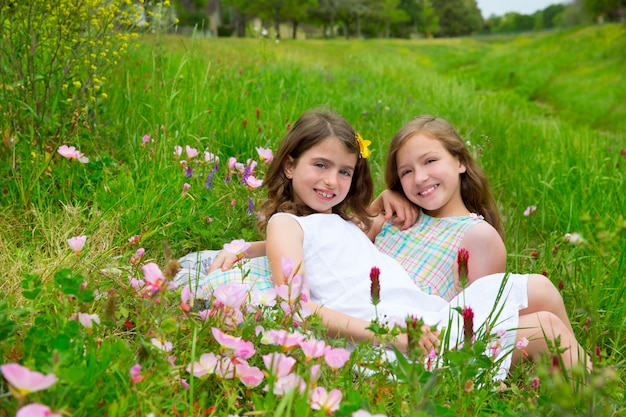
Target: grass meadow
(543, 112)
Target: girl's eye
(345, 173)
(431, 160)
(320, 165)
(404, 172)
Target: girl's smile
(322, 176)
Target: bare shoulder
(281, 224)
(482, 233)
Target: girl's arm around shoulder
(387, 205)
(487, 253)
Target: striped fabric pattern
(428, 250)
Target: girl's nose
(420, 176)
(330, 179)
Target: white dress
(338, 258)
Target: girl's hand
(392, 203)
(429, 339)
(224, 261)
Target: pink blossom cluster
(23, 381)
(70, 152)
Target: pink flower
(253, 182)
(87, 320)
(191, 152)
(278, 364)
(135, 374)
(71, 152)
(336, 357)
(165, 346)
(178, 151)
(77, 243)
(313, 348)
(36, 410)
(133, 240)
(24, 380)
(288, 383)
(186, 186)
(530, 210)
(206, 365)
(284, 338)
(237, 247)
(287, 266)
(522, 344)
(468, 325)
(375, 285)
(462, 261)
(153, 276)
(364, 413)
(323, 400)
(210, 157)
(265, 154)
(231, 294)
(266, 297)
(239, 347)
(144, 140)
(250, 376)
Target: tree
(458, 17)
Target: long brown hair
(475, 189)
(311, 128)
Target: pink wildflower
(178, 151)
(250, 376)
(522, 344)
(462, 261)
(144, 140)
(186, 186)
(265, 154)
(253, 182)
(135, 374)
(191, 152)
(24, 380)
(284, 338)
(77, 243)
(133, 240)
(163, 345)
(239, 347)
(206, 365)
(336, 357)
(71, 152)
(313, 348)
(278, 364)
(530, 210)
(468, 325)
(266, 297)
(364, 413)
(375, 285)
(237, 247)
(87, 320)
(323, 400)
(36, 410)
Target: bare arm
(487, 253)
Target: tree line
(381, 18)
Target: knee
(551, 326)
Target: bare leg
(544, 296)
(536, 327)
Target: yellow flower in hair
(363, 146)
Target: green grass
(546, 109)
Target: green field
(544, 112)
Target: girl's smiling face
(322, 176)
(430, 176)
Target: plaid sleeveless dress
(428, 250)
